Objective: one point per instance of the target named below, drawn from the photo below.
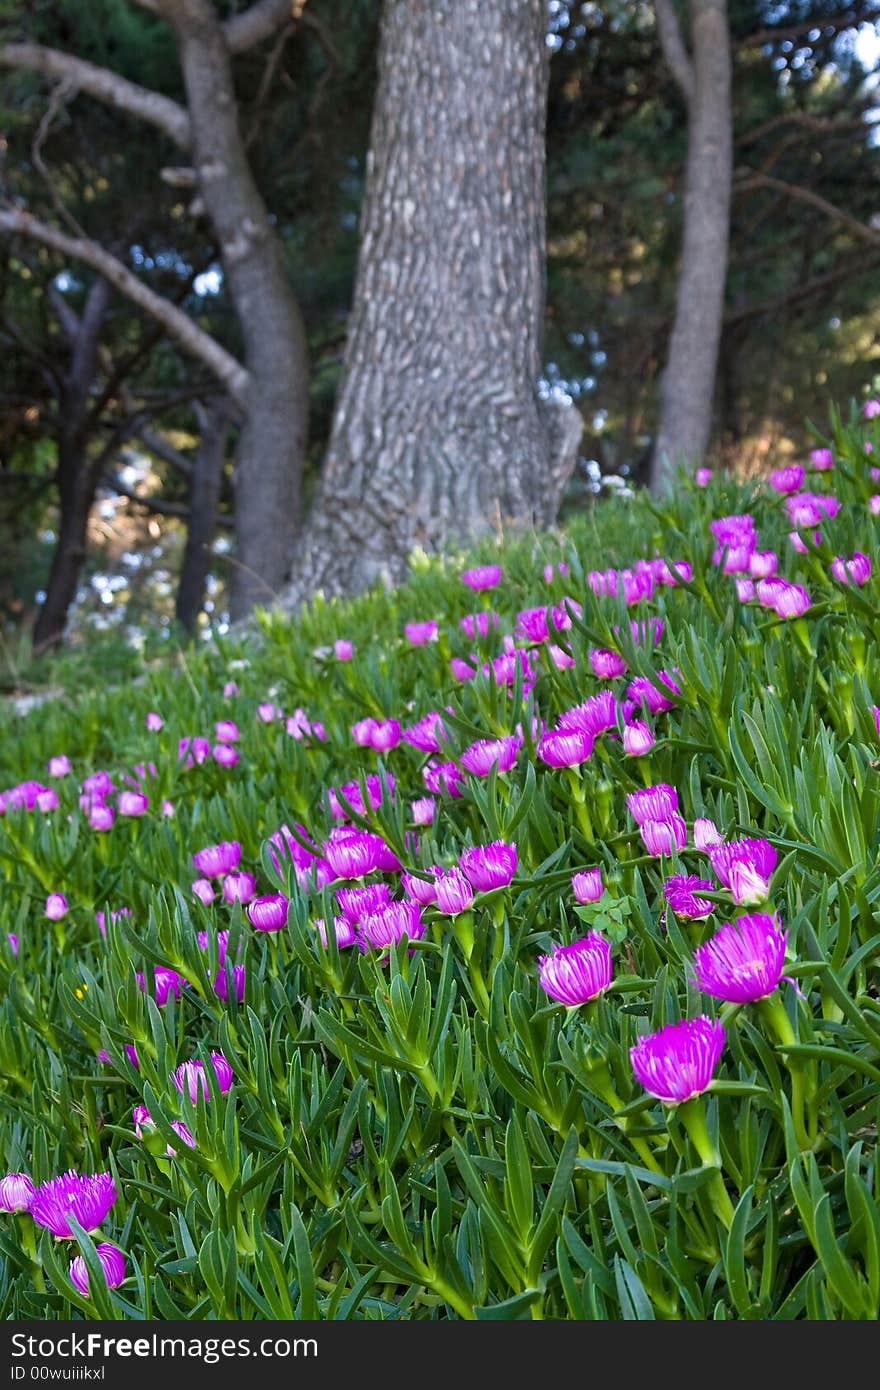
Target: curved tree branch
(246, 30)
(806, 195)
(678, 60)
(102, 84)
(189, 337)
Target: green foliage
(423, 1133)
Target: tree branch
(850, 18)
(160, 505)
(189, 337)
(104, 85)
(806, 195)
(246, 30)
(675, 52)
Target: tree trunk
(204, 498)
(272, 444)
(77, 480)
(687, 385)
(438, 432)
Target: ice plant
(354, 902)
(489, 866)
(345, 933)
(482, 577)
(56, 907)
(681, 890)
(475, 625)
(821, 458)
(239, 887)
(577, 973)
(420, 634)
(203, 890)
(425, 735)
(678, 1062)
(501, 753)
(112, 1265)
(226, 731)
(652, 803)
(390, 924)
(854, 571)
(454, 891)
(166, 983)
(16, 1192)
(132, 803)
(745, 867)
(59, 766)
(606, 663)
(154, 721)
(343, 649)
(565, 747)
(587, 885)
(637, 738)
(88, 1198)
(224, 755)
(663, 836)
(268, 912)
(743, 961)
(215, 860)
(191, 1077)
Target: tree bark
(688, 381)
(77, 479)
(438, 432)
(204, 499)
(271, 450)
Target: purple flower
(875, 710)
(59, 766)
(421, 890)
(192, 1077)
(703, 477)
(56, 907)
(786, 480)
(226, 731)
(269, 912)
(343, 649)
(87, 1198)
(355, 902)
(356, 853)
(855, 571)
(426, 734)
(706, 833)
(871, 409)
(239, 887)
(637, 738)
(130, 1052)
(352, 793)
(143, 1125)
(662, 836)
(652, 803)
(489, 866)
(482, 577)
(577, 973)
(479, 758)
(221, 986)
(116, 915)
(345, 933)
(132, 803)
(154, 721)
(215, 860)
(422, 810)
(763, 563)
(461, 670)
(420, 634)
(16, 1192)
(167, 982)
(677, 1062)
(224, 755)
(112, 1264)
(681, 891)
(201, 887)
(390, 924)
(454, 892)
(743, 961)
(587, 885)
(448, 775)
(745, 867)
(821, 458)
(101, 817)
(268, 712)
(606, 663)
(565, 747)
(475, 625)
(592, 716)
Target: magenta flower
(562, 658)
(132, 803)
(191, 1076)
(786, 480)
(745, 590)
(475, 625)
(16, 1192)
(871, 409)
(87, 1198)
(112, 1265)
(791, 601)
(454, 892)
(745, 867)
(821, 458)
(489, 866)
(362, 731)
(203, 890)
(447, 776)
(420, 634)
(167, 982)
(763, 563)
(144, 1125)
(56, 907)
(226, 731)
(743, 961)
(224, 755)
(855, 571)
(356, 853)
(230, 690)
(355, 902)
(352, 793)
(269, 912)
(461, 670)
(501, 753)
(677, 1062)
(343, 649)
(681, 891)
(221, 985)
(154, 721)
(267, 712)
(386, 735)
(644, 692)
(482, 577)
(116, 915)
(421, 890)
(565, 747)
(427, 733)
(637, 738)
(101, 817)
(345, 933)
(874, 504)
(652, 803)
(703, 477)
(422, 810)
(706, 833)
(606, 663)
(592, 716)
(875, 710)
(664, 836)
(239, 887)
(587, 885)
(215, 860)
(59, 766)
(99, 784)
(193, 749)
(577, 973)
(130, 1052)
(390, 924)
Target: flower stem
(693, 1117)
(774, 1014)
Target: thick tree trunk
(272, 444)
(204, 498)
(438, 432)
(688, 382)
(77, 479)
